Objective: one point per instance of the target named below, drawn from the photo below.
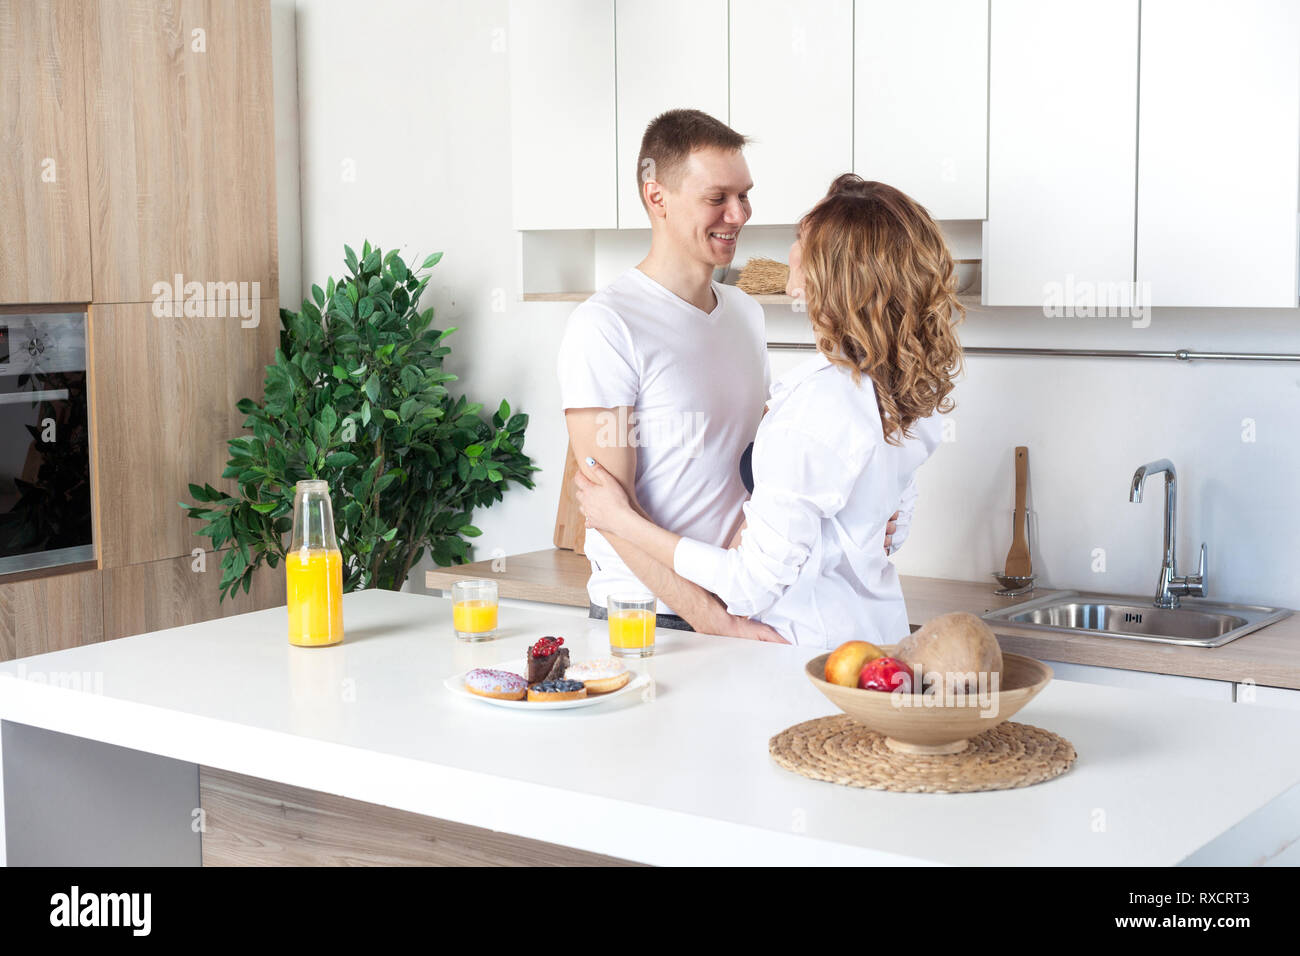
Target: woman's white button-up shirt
(811, 562)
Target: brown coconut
(959, 646)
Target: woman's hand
(602, 499)
(890, 528)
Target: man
(664, 373)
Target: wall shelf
(968, 301)
(556, 296)
(562, 265)
(584, 296)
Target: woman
(844, 432)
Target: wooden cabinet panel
(792, 91)
(44, 204)
(50, 613)
(562, 128)
(688, 73)
(255, 822)
(248, 352)
(182, 145)
(164, 393)
(172, 592)
(1219, 152)
(920, 101)
(1061, 214)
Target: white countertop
(678, 777)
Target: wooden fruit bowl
(934, 729)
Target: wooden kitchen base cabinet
(254, 822)
(50, 613)
(170, 593)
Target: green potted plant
(357, 397)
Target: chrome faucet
(1170, 585)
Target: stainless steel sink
(1197, 624)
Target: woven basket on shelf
(763, 277)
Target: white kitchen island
(678, 774)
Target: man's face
(706, 211)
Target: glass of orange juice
(474, 610)
(632, 625)
(314, 569)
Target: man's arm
(597, 433)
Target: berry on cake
(551, 690)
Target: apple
(887, 674)
(845, 662)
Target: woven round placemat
(840, 750)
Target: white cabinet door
(1062, 150)
(562, 130)
(1283, 697)
(792, 91)
(1141, 680)
(920, 102)
(672, 54)
(1219, 152)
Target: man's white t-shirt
(696, 383)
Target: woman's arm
(698, 607)
(647, 550)
(903, 517)
(793, 492)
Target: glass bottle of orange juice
(314, 569)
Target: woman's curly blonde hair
(879, 288)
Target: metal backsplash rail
(1181, 355)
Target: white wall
(1089, 423)
(411, 101)
(405, 140)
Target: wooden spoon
(1018, 557)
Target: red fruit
(546, 646)
(887, 674)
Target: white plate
(456, 684)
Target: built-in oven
(45, 493)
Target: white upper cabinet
(562, 126)
(1219, 152)
(1062, 151)
(792, 91)
(672, 54)
(920, 104)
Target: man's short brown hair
(671, 137)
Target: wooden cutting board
(570, 527)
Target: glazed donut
(600, 676)
(501, 685)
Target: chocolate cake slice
(547, 660)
